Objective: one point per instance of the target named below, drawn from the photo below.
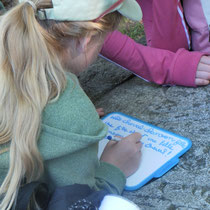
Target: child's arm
(155, 65)
(166, 61)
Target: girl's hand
(100, 112)
(124, 154)
(203, 71)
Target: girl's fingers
(203, 67)
(118, 137)
(100, 112)
(139, 145)
(203, 75)
(201, 82)
(205, 60)
(100, 109)
(111, 142)
(203, 72)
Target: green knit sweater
(68, 143)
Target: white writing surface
(160, 150)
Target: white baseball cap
(85, 10)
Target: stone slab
(184, 111)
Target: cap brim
(131, 10)
(85, 10)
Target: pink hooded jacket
(166, 59)
(197, 14)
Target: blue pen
(114, 138)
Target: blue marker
(114, 139)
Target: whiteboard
(161, 149)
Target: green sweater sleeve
(71, 130)
(110, 178)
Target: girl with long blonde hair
(49, 129)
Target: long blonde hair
(31, 75)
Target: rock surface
(184, 111)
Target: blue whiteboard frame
(165, 167)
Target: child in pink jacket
(166, 59)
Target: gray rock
(184, 111)
(101, 77)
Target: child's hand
(203, 71)
(124, 154)
(100, 112)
